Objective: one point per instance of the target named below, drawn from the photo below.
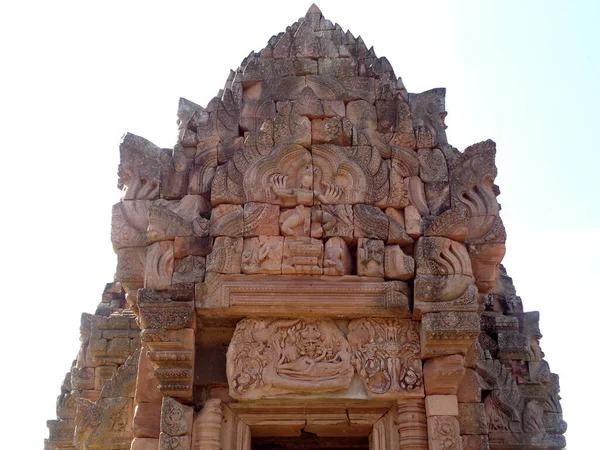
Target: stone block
(370, 256)
(261, 219)
(171, 352)
(495, 323)
(338, 67)
(130, 267)
(308, 104)
(475, 442)
(513, 345)
(146, 420)
(443, 374)
(82, 379)
(118, 347)
(416, 194)
(139, 169)
(226, 256)
(413, 222)
(443, 432)
(441, 405)
(333, 108)
(91, 395)
(397, 232)
(438, 197)
(157, 312)
(227, 220)
(337, 259)
(424, 299)
(140, 443)
(302, 256)
(332, 130)
(176, 419)
(362, 114)
(395, 214)
(102, 375)
(469, 388)
(262, 255)
(167, 442)
(192, 246)
(370, 222)
(158, 268)
(442, 257)
(283, 369)
(189, 270)
(295, 222)
(485, 259)
(397, 265)
(448, 333)
(472, 418)
(332, 221)
(432, 165)
(164, 224)
(129, 224)
(382, 337)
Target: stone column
(207, 426)
(412, 424)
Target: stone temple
(311, 266)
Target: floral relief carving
(386, 354)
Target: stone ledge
(276, 296)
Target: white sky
(74, 76)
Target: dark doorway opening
(310, 441)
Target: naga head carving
(429, 113)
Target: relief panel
(386, 354)
(267, 357)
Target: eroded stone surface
(288, 223)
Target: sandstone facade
(311, 261)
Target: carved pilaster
(412, 424)
(172, 355)
(175, 425)
(235, 434)
(443, 433)
(207, 427)
(385, 435)
(168, 333)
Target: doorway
(310, 441)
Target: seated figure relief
(282, 177)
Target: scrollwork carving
(386, 354)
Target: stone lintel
(351, 418)
(277, 296)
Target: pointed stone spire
(313, 17)
(314, 9)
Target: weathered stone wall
(312, 235)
